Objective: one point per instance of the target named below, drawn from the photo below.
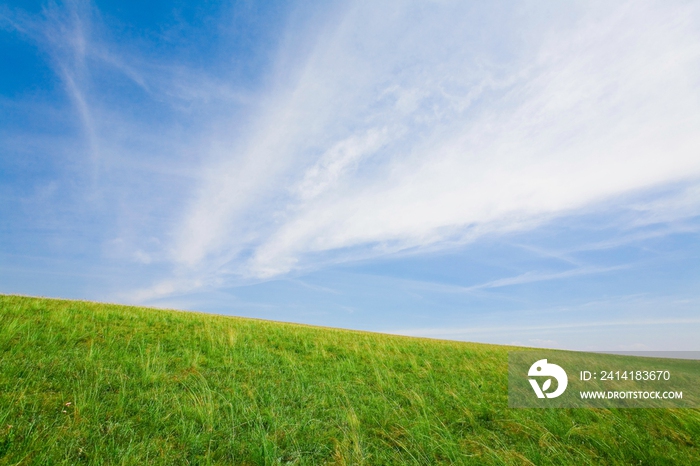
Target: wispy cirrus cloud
(372, 130)
(410, 126)
(123, 161)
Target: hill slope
(104, 384)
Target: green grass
(104, 384)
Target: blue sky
(505, 172)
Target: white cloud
(408, 126)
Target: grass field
(89, 383)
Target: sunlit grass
(104, 384)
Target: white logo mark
(542, 368)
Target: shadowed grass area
(95, 383)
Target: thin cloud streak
(532, 277)
(524, 278)
(453, 332)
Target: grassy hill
(104, 384)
